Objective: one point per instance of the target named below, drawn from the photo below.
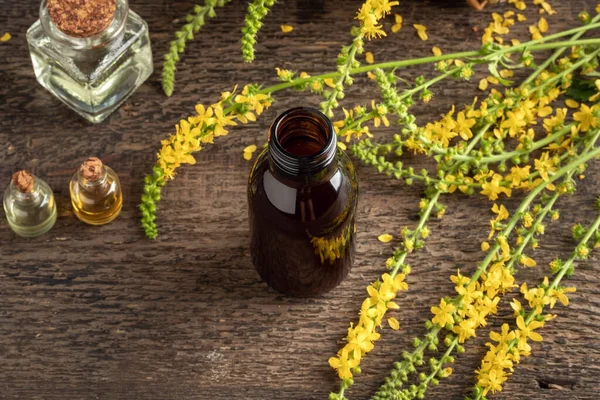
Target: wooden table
(104, 313)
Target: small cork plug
(23, 180)
(81, 18)
(91, 169)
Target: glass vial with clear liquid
(90, 54)
(302, 197)
(29, 205)
(96, 193)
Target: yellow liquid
(96, 209)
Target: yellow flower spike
(571, 103)
(543, 25)
(483, 84)
(369, 57)
(421, 31)
(286, 28)
(385, 238)
(6, 37)
(393, 323)
(436, 51)
(397, 23)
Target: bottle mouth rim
(294, 164)
(114, 29)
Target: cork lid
(81, 18)
(23, 181)
(91, 169)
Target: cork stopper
(91, 169)
(23, 181)
(81, 18)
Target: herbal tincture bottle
(90, 54)
(29, 205)
(302, 197)
(96, 193)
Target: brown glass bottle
(302, 196)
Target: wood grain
(103, 313)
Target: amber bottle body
(302, 197)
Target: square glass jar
(92, 75)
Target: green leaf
(581, 89)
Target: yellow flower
(464, 125)
(521, 17)
(544, 165)
(397, 283)
(343, 364)
(492, 188)
(501, 211)
(485, 246)
(492, 381)
(504, 336)
(514, 122)
(393, 323)
(397, 23)
(586, 118)
(283, 74)
(465, 329)
(436, 51)
(369, 57)
(527, 331)
(421, 31)
(286, 28)
(360, 340)
(385, 238)
(6, 37)
(559, 294)
(248, 151)
(443, 314)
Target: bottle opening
(302, 136)
(302, 141)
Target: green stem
(555, 56)
(434, 59)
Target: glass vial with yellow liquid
(29, 205)
(96, 193)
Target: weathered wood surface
(104, 313)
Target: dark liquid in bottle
(302, 229)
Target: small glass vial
(29, 205)
(302, 196)
(96, 193)
(90, 54)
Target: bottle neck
(85, 47)
(302, 145)
(95, 184)
(32, 197)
